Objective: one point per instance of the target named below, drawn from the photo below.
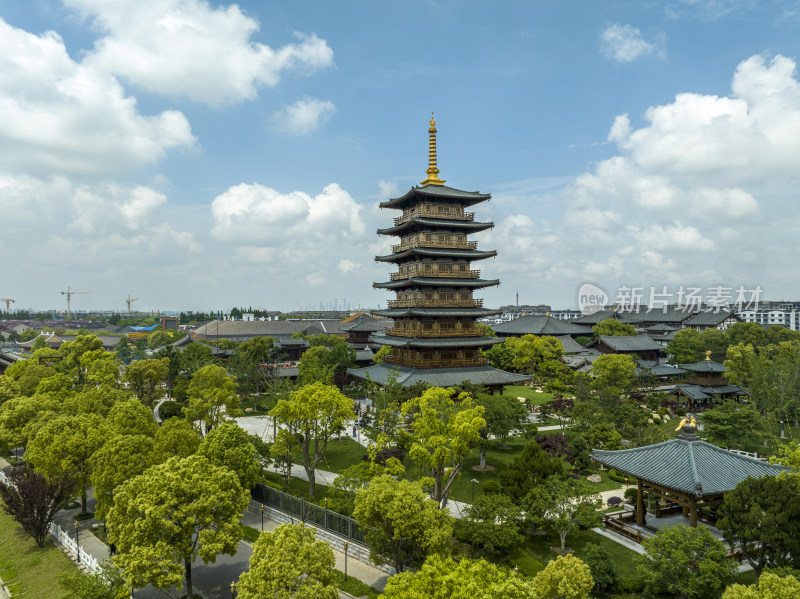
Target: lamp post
(345, 560)
(262, 517)
(233, 590)
(474, 482)
(77, 544)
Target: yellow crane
(8, 302)
(69, 293)
(129, 300)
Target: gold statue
(691, 421)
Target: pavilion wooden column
(693, 511)
(639, 503)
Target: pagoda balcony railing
(455, 212)
(451, 363)
(417, 241)
(435, 303)
(421, 272)
(435, 332)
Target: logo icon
(591, 298)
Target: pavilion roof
(443, 342)
(439, 377)
(704, 366)
(687, 464)
(437, 312)
(632, 343)
(541, 324)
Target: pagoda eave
(437, 282)
(468, 225)
(436, 312)
(437, 192)
(425, 252)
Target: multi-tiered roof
(434, 337)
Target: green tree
(174, 513)
(443, 578)
(195, 357)
(746, 333)
(685, 347)
(8, 389)
(493, 522)
(715, 341)
(121, 458)
(229, 446)
(401, 525)
(146, 378)
(601, 564)
(108, 583)
(500, 355)
(316, 412)
(614, 373)
(212, 397)
(289, 563)
(529, 469)
(158, 339)
(612, 327)
(762, 517)
(315, 366)
(685, 562)
(502, 414)
(566, 577)
(130, 417)
(535, 355)
(65, 445)
(769, 586)
(255, 361)
(563, 505)
(485, 330)
(443, 434)
(175, 438)
(20, 416)
(380, 357)
(733, 425)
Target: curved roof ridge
(697, 484)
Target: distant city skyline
(207, 154)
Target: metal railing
(305, 511)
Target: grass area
(340, 454)
(297, 487)
(354, 586)
(259, 405)
(532, 396)
(250, 534)
(36, 570)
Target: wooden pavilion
(689, 474)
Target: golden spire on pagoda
(433, 172)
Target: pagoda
(434, 337)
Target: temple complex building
(434, 337)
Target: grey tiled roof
(438, 252)
(440, 377)
(466, 198)
(704, 366)
(569, 345)
(541, 325)
(630, 343)
(449, 223)
(438, 282)
(687, 464)
(709, 318)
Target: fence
(62, 537)
(312, 513)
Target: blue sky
(203, 155)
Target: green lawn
(339, 455)
(529, 393)
(36, 570)
(297, 487)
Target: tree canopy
(173, 513)
(289, 563)
(612, 327)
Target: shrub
(170, 409)
(598, 558)
(680, 412)
(616, 476)
(491, 487)
(384, 454)
(631, 496)
(528, 566)
(629, 585)
(662, 411)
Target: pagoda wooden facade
(435, 309)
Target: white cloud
(189, 48)
(346, 266)
(625, 43)
(303, 117)
(58, 116)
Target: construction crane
(129, 300)
(69, 293)
(8, 302)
